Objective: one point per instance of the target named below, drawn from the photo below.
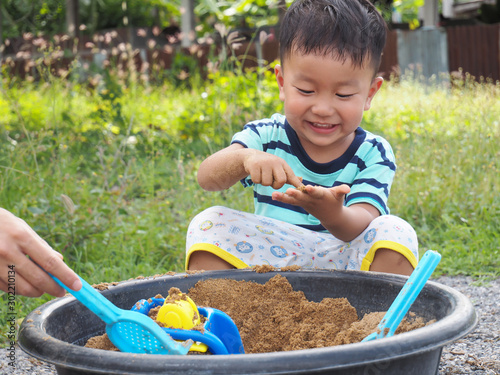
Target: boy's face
(324, 100)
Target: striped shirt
(368, 167)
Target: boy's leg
(390, 261)
(389, 244)
(221, 238)
(203, 260)
(206, 237)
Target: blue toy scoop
(220, 335)
(406, 296)
(129, 331)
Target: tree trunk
(187, 22)
(72, 18)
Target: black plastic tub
(57, 331)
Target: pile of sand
(273, 317)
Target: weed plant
(106, 173)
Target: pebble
(478, 353)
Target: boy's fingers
(279, 178)
(267, 177)
(340, 191)
(292, 179)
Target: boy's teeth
(322, 125)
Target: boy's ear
(278, 72)
(374, 87)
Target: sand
(273, 317)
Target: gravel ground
(477, 353)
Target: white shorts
(244, 239)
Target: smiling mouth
(322, 126)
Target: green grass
(126, 157)
(448, 180)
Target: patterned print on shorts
(278, 251)
(244, 247)
(254, 240)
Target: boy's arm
(223, 169)
(327, 205)
(226, 167)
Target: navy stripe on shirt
(365, 195)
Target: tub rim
(461, 321)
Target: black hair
(351, 29)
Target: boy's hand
(270, 170)
(327, 205)
(226, 167)
(322, 203)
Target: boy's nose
(323, 107)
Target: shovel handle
(408, 294)
(93, 300)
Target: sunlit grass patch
(108, 178)
(447, 184)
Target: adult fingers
(52, 262)
(31, 279)
(25, 241)
(12, 271)
(17, 284)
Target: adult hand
(17, 240)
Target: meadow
(104, 169)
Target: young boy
(321, 182)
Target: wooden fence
(473, 49)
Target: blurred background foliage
(48, 16)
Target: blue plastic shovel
(219, 333)
(406, 296)
(129, 331)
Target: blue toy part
(128, 331)
(406, 296)
(220, 333)
(222, 326)
(143, 306)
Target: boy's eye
(344, 96)
(304, 91)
